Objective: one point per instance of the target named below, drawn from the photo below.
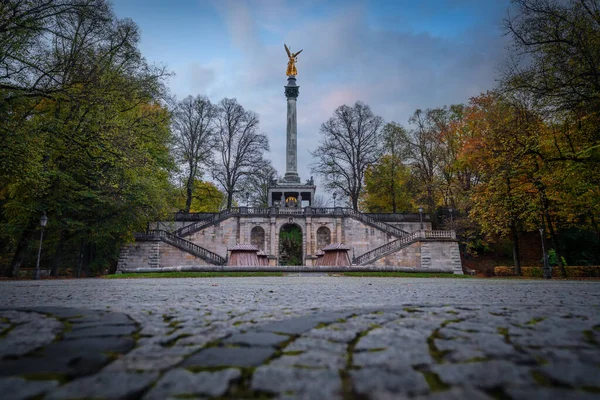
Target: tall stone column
(291, 155)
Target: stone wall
(361, 237)
(173, 257)
(218, 238)
(428, 254)
(411, 226)
(140, 255)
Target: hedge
(537, 272)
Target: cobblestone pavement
(300, 338)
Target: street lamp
(451, 210)
(247, 198)
(334, 196)
(546, 268)
(421, 216)
(43, 222)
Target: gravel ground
(300, 337)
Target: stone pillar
(272, 235)
(242, 230)
(309, 241)
(291, 159)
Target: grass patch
(190, 275)
(406, 275)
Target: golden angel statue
(293, 59)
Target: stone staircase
(205, 223)
(175, 238)
(182, 244)
(395, 245)
(387, 228)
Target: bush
(537, 272)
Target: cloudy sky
(395, 56)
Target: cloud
(345, 59)
(200, 77)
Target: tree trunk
(515, 238)
(56, 259)
(354, 203)
(189, 193)
(229, 200)
(21, 250)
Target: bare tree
(258, 181)
(239, 144)
(351, 142)
(424, 151)
(193, 125)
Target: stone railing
(392, 230)
(440, 234)
(182, 216)
(182, 244)
(399, 217)
(400, 243)
(323, 211)
(291, 211)
(212, 220)
(256, 210)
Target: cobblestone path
(300, 338)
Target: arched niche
(257, 237)
(323, 237)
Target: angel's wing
(287, 50)
(297, 53)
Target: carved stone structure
(383, 241)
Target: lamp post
(247, 198)
(43, 222)
(421, 216)
(334, 196)
(451, 210)
(546, 268)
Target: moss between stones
(6, 331)
(196, 370)
(434, 352)
(377, 349)
(348, 392)
(504, 332)
(544, 380)
(292, 353)
(589, 336)
(535, 321)
(434, 381)
(171, 343)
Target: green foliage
(206, 198)
(92, 151)
(290, 245)
(553, 258)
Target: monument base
(290, 177)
